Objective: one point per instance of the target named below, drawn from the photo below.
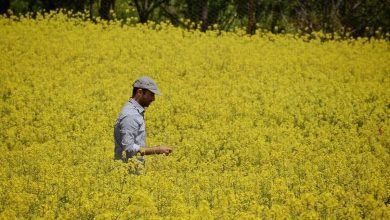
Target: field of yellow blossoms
(263, 127)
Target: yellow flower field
(263, 127)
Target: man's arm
(155, 150)
(128, 131)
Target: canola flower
(264, 127)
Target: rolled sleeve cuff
(136, 147)
(132, 150)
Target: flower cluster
(263, 127)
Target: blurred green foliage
(365, 18)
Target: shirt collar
(137, 106)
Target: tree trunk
(276, 15)
(325, 15)
(142, 9)
(251, 28)
(146, 7)
(113, 4)
(91, 9)
(205, 15)
(191, 10)
(104, 11)
(143, 16)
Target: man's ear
(140, 91)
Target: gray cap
(146, 82)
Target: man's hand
(163, 150)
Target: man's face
(146, 97)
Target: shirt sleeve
(129, 130)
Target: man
(129, 130)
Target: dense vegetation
(369, 18)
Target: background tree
(105, 7)
(357, 17)
(205, 11)
(364, 17)
(251, 27)
(146, 7)
(90, 9)
(49, 5)
(4, 6)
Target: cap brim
(156, 92)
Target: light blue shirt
(129, 130)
